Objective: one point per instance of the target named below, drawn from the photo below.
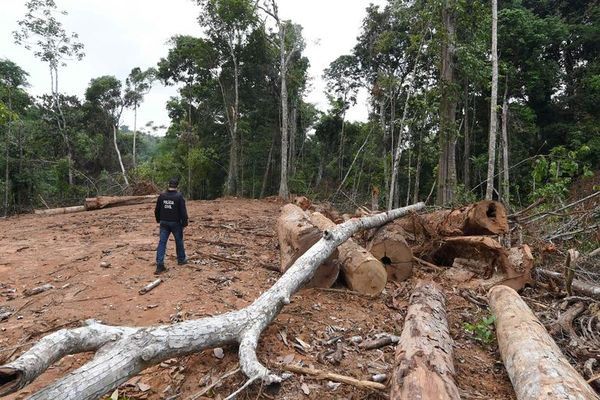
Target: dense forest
(467, 100)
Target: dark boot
(160, 268)
(184, 262)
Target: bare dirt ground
(231, 243)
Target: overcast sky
(121, 34)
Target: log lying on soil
(483, 218)
(363, 272)
(296, 235)
(123, 352)
(94, 203)
(61, 210)
(424, 368)
(536, 367)
(389, 246)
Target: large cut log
(536, 367)
(389, 246)
(483, 218)
(60, 210)
(362, 272)
(424, 367)
(94, 203)
(123, 352)
(296, 235)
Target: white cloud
(121, 34)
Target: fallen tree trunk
(424, 368)
(483, 218)
(123, 352)
(60, 210)
(363, 272)
(580, 287)
(296, 235)
(535, 364)
(95, 203)
(389, 246)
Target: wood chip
(219, 353)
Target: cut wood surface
(483, 218)
(389, 246)
(60, 210)
(296, 235)
(424, 356)
(536, 367)
(362, 272)
(94, 203)
(123, 352)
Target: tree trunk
(447, 137)
(61, 210)
(284, 192)
(293, 133)
(467, 143)
(535, 364)
(119, 155)
(385, 139)
(489, 190)
(7, 155)
(363, 272)
(481, 218)
(505, 175)
(134, 132)
(418, 169)
(123, 352)
(263, 188)
(424, 367)
(389, 246)
(95, 203)
(296, 235)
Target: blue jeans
(166, 228)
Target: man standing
(171, 213)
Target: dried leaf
(143, 387)
(115, 395)
(305, 389)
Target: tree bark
(389, 246)
(505, 185)
(424, 368)
(123, 352)
(134, 132)
(296, 235)
(61, 210)
(535, 364)
(481, 218)
(447, 136)
(119, 155)
(94, 203)
(467, 143)
(489, 190)
(363, 272)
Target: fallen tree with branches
(122, 352)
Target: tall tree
(489, 189)
(290, 41)
(54, 45)
(447, 135)
(137, 85)
(12, 79)
(105, 93)
(228, 24)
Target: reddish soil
(231, 242)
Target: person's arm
(157, 210)
(183, 211)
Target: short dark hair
(173, 182)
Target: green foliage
(553, 174)
(482, 330)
